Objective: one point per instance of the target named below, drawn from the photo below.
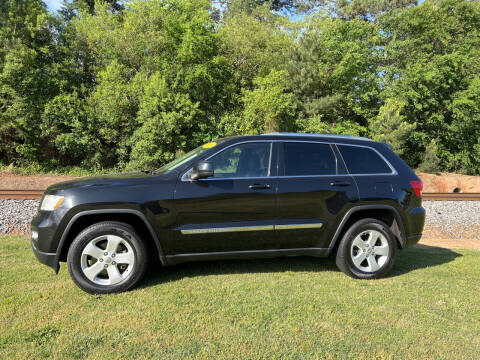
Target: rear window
(308, 159)
(362, 160)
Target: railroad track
(451, 196)
(21, 194)
(37, 195)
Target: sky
(53, 5)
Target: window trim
(282, 141)
(392, 172)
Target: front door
(314, 192)
(232, 211)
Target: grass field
(294, 308)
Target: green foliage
(255, 44)
(434, 57)
(366, 9)
(170, 122)
(430, 161)
(331, 70)
(390, 126)
(65, 125)
(270, 106)
(114, 84)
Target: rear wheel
(367, 250)
(107, 257)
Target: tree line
(130, 85)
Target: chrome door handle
(259, 187)
(340, 183)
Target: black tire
(131, 238)
(346, 250)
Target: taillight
(417, 186)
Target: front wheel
(107, 257)
(367, 250)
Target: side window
(309, 159)
(361, 160)
(244, 160)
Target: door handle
(259, 187)
(340, 183)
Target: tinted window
(244, 160)
(308, 159)
(361, 160)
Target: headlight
(51, 202)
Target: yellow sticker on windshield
(209, 145)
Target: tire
(107, 257)
(367, 250)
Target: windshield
(188, 156)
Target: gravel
(453, 212)
(15, 215)
(456, 219)
(449, 216)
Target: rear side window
(362, 160)
(309, 159)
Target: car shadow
(407, 260)
(420, 257)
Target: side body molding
(108, 211)
(353, 210)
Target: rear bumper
(414, 226)
(49, 259)
(412, 240)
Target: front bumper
(49, 259)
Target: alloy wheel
(107, 260)
(369, 251)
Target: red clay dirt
(9, 181)
(449, 183)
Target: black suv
(270, 195)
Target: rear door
(232, 211)
(314, 191)
(372, 173)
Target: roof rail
(318, 135)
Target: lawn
(293, 308)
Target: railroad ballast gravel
(15, 215)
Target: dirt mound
(9, 181)
(449, 183)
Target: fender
(109, 211)
(353, 210)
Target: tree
(366, 9)
(333, 72)
(390, 126)
(433, 57)
(255, 44)
(27, 76)
(271, 106)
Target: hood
(124, 179)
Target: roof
(327, 136)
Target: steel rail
(21, 194)
(451, 196)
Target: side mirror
(202, 170)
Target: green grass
(293, 308)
